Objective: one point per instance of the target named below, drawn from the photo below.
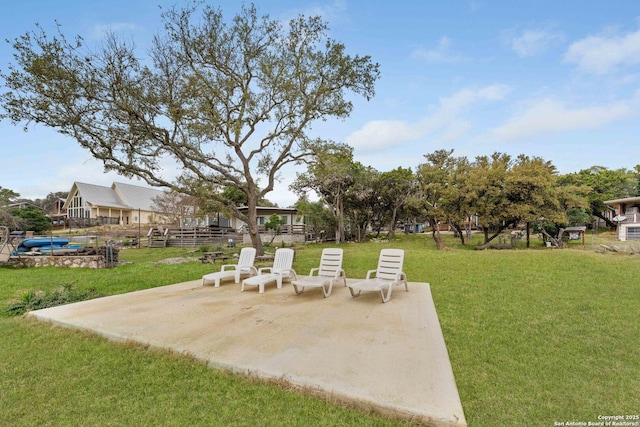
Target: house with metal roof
(120, 204)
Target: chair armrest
(370, 272)
(288, 272)
(251, 268)
(263, 270)
(230, 266)
(340, 273)
(313, 270)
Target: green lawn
(534, 336)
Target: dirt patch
(178, 260)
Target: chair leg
(353, 294)
(326, 292)
(386, 298)
(298, 291)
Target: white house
(292, 230)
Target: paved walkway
(388, 357)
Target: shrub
(34, 219)
(35, 300)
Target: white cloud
(100, 30)
(336, 13)
(465, 97)
(454, 131)
(551, 116)
(379, 134)
(442, 53)
(533, 41)
(604, 53)
(444, 121)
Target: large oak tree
(330, 174)
(230, 102)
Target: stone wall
(78, 261)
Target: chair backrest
(330, 262)
(247, 257)
(389, 263)
(283, 259)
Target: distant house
(627, 217)
(58, 214)
(292, 230)
(120, 204)
(23, 205)
(214, 220)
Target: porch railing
(285, 229)
(631, 218)
(91, 222)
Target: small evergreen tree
(275, 223)
(34, 219)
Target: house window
(633, 233)
(76, 207)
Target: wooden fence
(202, 236)
(190, 237)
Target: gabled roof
(99, 195)
(136, 196)
(119, 195)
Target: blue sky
(554, 79)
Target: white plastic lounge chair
(388, 274)
(329, 271)
(282, 267)
(243, 267)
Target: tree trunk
(392, 224)
(555, 241)
(435, 233)
(458, 230)
(252, 214)
(437, 237)
(607, 221)
(339, 220)
(487, 239)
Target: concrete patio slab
(388, 357)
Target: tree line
(495, 192)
